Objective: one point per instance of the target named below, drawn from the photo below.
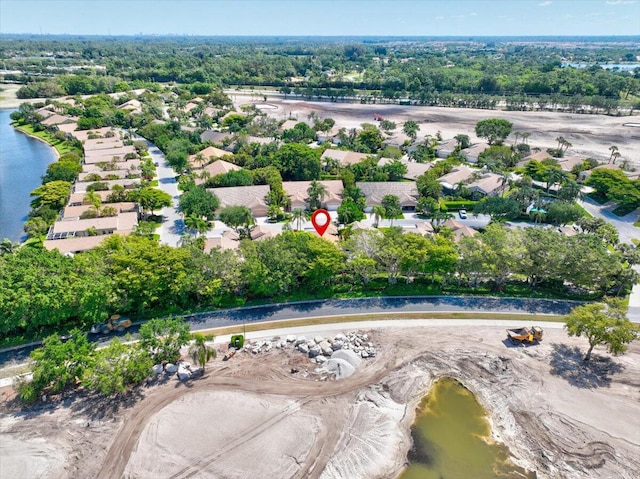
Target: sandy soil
(591, 135)
(250, 417)
(8, 99)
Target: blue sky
(322, 17)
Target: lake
(23, 160)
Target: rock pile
(340, 355)
(183, 369)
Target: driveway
(173, 223)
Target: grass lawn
(60, 145)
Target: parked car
(463, 214)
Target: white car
(463, 214)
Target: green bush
(459, 205)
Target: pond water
(452, 439)
(23, 160)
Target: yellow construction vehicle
(525, 335)
(114, 323)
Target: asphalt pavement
(173, 223)
(344, 307)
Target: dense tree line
(41, 290)
(472, 74)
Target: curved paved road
(345, 307)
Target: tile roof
(250, 196)
(344, 157)
(375, 191)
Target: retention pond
(452, 439)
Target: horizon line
(242, 35)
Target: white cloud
(620, 2)
(545, 4)
(473, 14)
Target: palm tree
(94, 200)
(613, 149)
(615, 156)
(197, 224)
(317, 193)
(410, 128)
(378, 213)
(566, 145)
(200, 352)
(299, 216)
(200, 159)
(438, 217)
(525, 136)
(8, 247)
(561, 142)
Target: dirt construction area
(590, 135)
(252, 417)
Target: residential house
(489, 184)
(297, 191)
(127, 183)
(107, 166)
(56, 119)
(209, 154)
(414, 170)
(218, 167)
(375, 191)
(77, 199)
(120, 174)
(253, 197)
(108, 154)
(123, 223)
(74, 245)
(397, 140)
(217, 137)
(446, 148)
(459, 230)
(472, 153)
(330, 136)
(228, 240)
(67, 128)
(569, 163)
(83, 135)
(460, 174)
(288, 125)
(74, 212)
(102, 143)
(343, 157)
(132, 106)
(262, 232)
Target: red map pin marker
(320, 220)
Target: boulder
(339, 337)
(349, 356)
(303, 348)
(291, 338)
(170, 368)
(364, 354)
(183, 374)
(318, 339)
(321, 359)
(314, 351)
(157, 368)
(337, 344)
(326, 348)
(341, 368)
(300, 340)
